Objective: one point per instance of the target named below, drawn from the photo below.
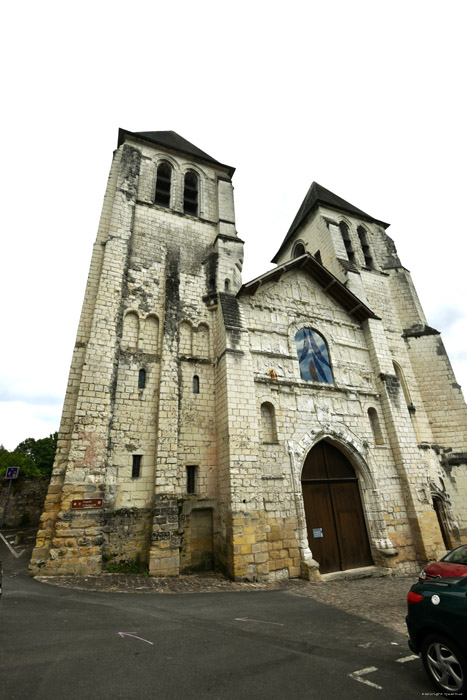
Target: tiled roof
(174, 142)
(320, 195)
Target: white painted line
(404, 659)
(357, 676)
(263, 622)
(11, 548)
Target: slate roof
(331, 285)
(174, 142)
(315, 196)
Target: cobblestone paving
(381, 600)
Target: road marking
(263, 622)
(12, 550)
(404, 659)
(357, 676)
(127, 634)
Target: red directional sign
(81, 503)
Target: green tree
(17, 459)
(41, 452)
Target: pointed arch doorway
(334, 515)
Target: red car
(453, 564)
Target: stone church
(304, 422)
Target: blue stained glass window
(313, 356)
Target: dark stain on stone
(172, 297)
(230, 310)
(210, 268)
(390, 251)
(440, 350)
(129, 169)
(392, 385)
(419, 330)
(454, 459)
(232, 318)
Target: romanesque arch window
(130, 331)
(347, 241)
(201, 341)
(365, 247)
(298, 249)
(190, 194)
(150, 335)
(141, 379)
(186, 339)
(313, 356)
(268, 422)
(375, 426)
(195, 384)
(163, 183)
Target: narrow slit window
(226, 286)
(195, 384)
(191, 478)
(190, 194)
(136, 468)
(141, 379)
(163, 184)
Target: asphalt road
(59, 643)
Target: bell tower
(136, 465)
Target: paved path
(380, 600)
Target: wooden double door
(334, 515)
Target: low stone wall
(25, 503)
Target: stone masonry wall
(25, 502)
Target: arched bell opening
(335, 521)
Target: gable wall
(273, 315)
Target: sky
(366, 98)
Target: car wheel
(445, 664)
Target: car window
(457, 556)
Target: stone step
(362, 572)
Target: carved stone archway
(359, 455)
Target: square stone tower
(139, 429)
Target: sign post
(11, 473)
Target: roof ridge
(317, 194)
(172, 140)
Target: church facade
(302, 423)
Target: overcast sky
(366, 98)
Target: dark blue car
(437, 625)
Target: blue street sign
(12, 473)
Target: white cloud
(363, 97)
